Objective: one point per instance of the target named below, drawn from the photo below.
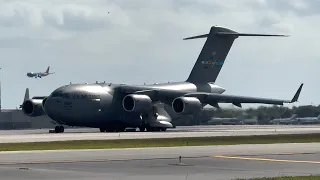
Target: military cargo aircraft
(115, 107)
(224, 121)
(286, 121)
(306, 120)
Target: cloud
(141, 41)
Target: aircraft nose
(52, 105)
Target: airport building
(15, 119)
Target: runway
(12, 136)
(201, 163)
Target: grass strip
(165, 142)
(288, 178)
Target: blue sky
(140, 41)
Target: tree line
(263, 114)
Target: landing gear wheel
(102, 130)
(142, 128)
(120, 129)
(109, 130)
(153, 129)
(59, 129)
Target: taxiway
(206, 162)
(16, 136)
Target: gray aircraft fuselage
(98, 105)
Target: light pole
(0, 90)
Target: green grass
(165, 142)
(288, 178)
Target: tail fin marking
(47, 71)
(214, 52)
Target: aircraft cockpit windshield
(58, 94)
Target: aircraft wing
(167, 96)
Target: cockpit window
(62, 95)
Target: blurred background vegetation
(263, 114)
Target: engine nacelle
(43, 103)
(186, 105)
(136, 103)
(33, 107)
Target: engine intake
(136, 103)
(186, 105)
(43, 104)
(33, 107)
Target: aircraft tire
(59, 129)
(120, 129)
(153, 129)
(102, 130)
(109, 130)
(142, 128)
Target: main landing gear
(59, 129)
(119, 127)
(144, 127)
(141, 129)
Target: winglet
(296, 96)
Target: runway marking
(92, 161)
(266, 159)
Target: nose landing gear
(59, 129)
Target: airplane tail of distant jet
(48, 69)
(214, 52)
(318, 117)
(293, 116)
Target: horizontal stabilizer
(197, 37)
(214, 53)
(247, 34)
(221, 31)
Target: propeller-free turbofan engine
(33, 107)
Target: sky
(138, 41)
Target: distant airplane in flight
(39, 74)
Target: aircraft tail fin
(48, 69)
(318, 116)
(293, 116)
(26, 96)
(214, 52)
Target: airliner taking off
(39, 74)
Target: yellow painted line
(265, 159)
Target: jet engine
(33, 107)
(136, 103)
(43, 104)
(186, 105)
